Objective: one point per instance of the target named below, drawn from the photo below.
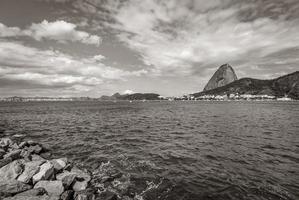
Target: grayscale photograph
(149, 99)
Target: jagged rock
(46, 155)
(81, 174)
(108, 195)
(11, 170)
(45, 172)
(82, 179)
(59, 164)
(34, 149)
(14, 146)
(35, 157)
(80, 185)
(2, 153)
(85, 195)
(30, 169)
(5, 142)
(23, 144)
(32, 192)
(26, 155)
(44, 197)
(54, 188)
(67, 195)
(223, 76)
(15, 154)
(31, 142)
(11, 187)
(5, 161)
(67, 178)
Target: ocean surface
(171, 150)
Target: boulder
(5, 142)
(82, 179)
(46, 155)
(33, 192)
(85, 195)
(35, 157)
(80, 185)
(54, 188)
(44, 197)
(45, 172)
(30, 169)
(26, 155)
(23, 144)
(5, 161)
(108, 195)
(67, 178)
(67, 195)
(11, 170)
(15, 154)
(81, 174)
(59, 164)
(11, 187)
(34, 149)
(2, 153)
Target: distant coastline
(224, 85)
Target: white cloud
(9, 31)
(53, 68)
(175, 37)
(59, 30)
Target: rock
(85, 195)
(11, 170)
(5, 142)
(46, 155)
(33, 192)
(82, 179)
(44, 197)
(26, 155)
(31, 142)
(2, 153)
(15, 154)
(5, 161)
(223, 76)
(59, 164)
(34, 149)
(35, 157)
(45, 172)
(12, 187)
(52, 187)
(80, 185)
(30, 169)
(23, 144)
(81, 174)
(67, 178)
(108, 195)
(67, 195)
(14, 146)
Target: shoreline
(28, 172)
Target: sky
(171, 47)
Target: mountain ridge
(284, 85)
(224, 75)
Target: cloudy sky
(171, 47)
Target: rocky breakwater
(27, 172)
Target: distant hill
(134, 96)
(223, 76)
(284, 85)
